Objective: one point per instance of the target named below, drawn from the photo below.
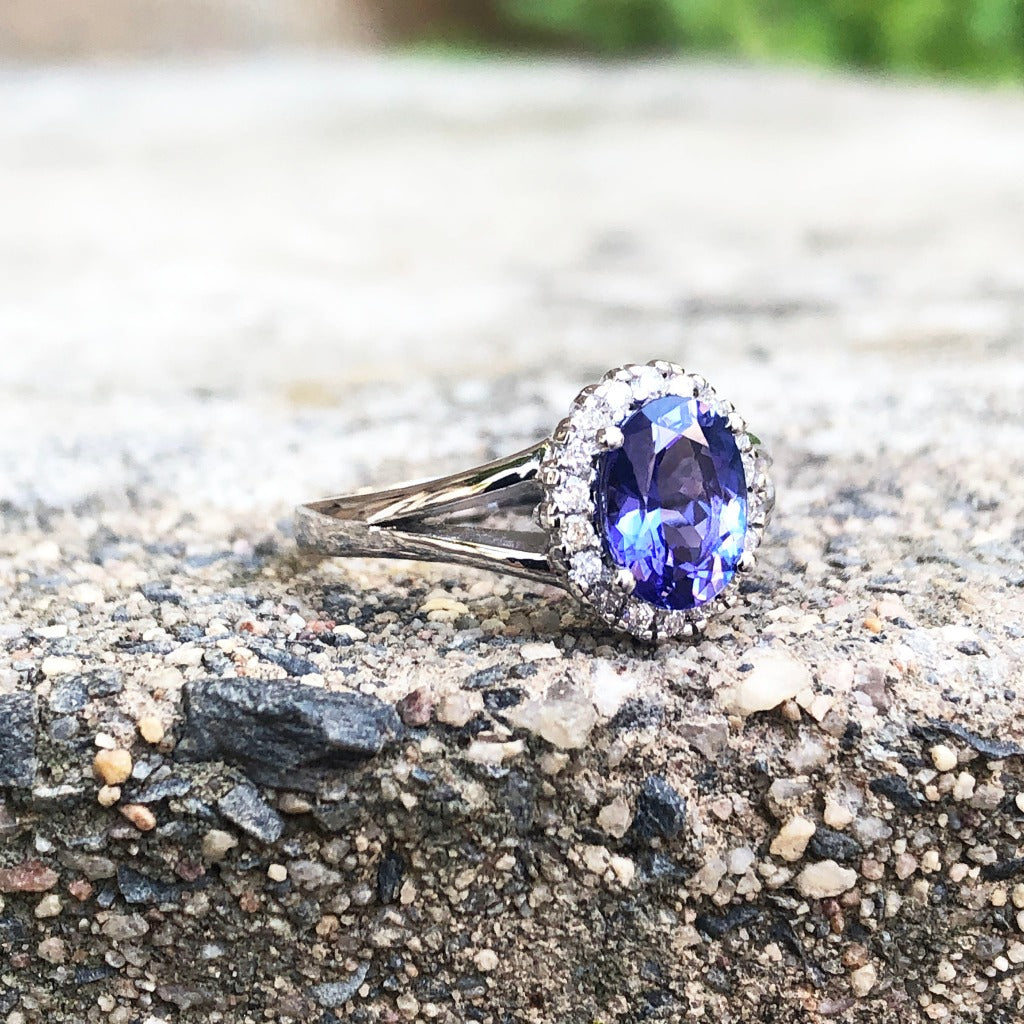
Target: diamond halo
(569, 509)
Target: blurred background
(228, 224)
(974, 38)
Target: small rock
(140, 816)
(217, 844)
(245, 807)
(81, 890)
(49, 906)
(94, 867)
(660, 810)
(988, 797)
(595, 859)
(825, 879)
(486, 960)
(895, 789)
(837, 815)
(863, 980)
(793, 837)
(415, 709)
(715, 926)
(138, 888)
(334, 995)
(456, 710)
(566, 723)
(18, 724)
(390, 873)
(311, 874)
(775, 677)
(151, 729)
(55, 665)
(283, 733)
(615, 818)
(827, 844)
(539, 652)
(943, 757)
(492, 752)
(122, 927)
(741, 860)
(69, 695)
(29, 876)
(113, 766)
(624, 870)
(277, 873)
(108, 795)
(52, 950)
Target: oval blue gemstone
(672, 502)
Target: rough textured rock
(283, 733)
(17, 739)
(227, 289)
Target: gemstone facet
(671, 502)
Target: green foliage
(972, 38)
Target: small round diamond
(577, 533)
(586, 567)
(572, 495)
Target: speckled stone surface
(229, 288)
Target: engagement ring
(650, 497)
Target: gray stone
(335, 994)
(69, 695)
(137, 888)
(283, 733)
(18, 724)
(244, 806)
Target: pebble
(29, 876)
(217, 844)
(775, 677)
(615, 817)
(151, 729)
(624, 870)
(793, 837)
(457, 709)
(140, 816)
(863, 980)
(566, 723)
(49, 906)
(58, 666)
(244, 806)
(825, 879)
(52, 950)
(963, 788)
(277, 873)
(486, 960)
(741, 860)
(113, 766)
(490, 752)
(539, 652)
(943, 757)
(108, 795)
(837, 815)
(660, 810)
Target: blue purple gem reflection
(672, 502)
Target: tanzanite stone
(672, 502)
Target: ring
(650, 497)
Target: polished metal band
(443, 520)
